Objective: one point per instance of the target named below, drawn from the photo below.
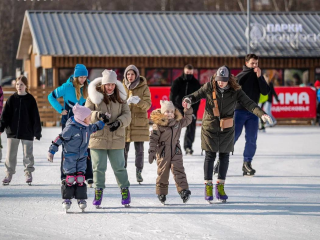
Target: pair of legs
(12, 151)
(139, 148)
(223, 165)
(116, 157)
(190, 135)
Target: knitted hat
(166, 105)
(109, 76)
(317, 83)
(132, 85)
(80, 113)
(80, 70)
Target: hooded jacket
(105, 139)
(68, 93)
(20, 117)
(252, 85)
(182, 87)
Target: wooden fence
(48, 115)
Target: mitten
(114, 125)
(186, 103)
(266, 117)
(50, 157)
(104, 117)
(135, 99)
(152, 156)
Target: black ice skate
(247, 169)
(162, 198)
(185, 195)
(189, 151)
(139, 176)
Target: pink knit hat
(80, 113)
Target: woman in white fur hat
(107, 95)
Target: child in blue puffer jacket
(75, 140)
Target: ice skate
(208, 192)
(247, 169)
(90, 182)
(28, 178)
(97, 197)
(189, 151)
(139, 176)
(220, 193)
(7, 179)
(66, 204)
(125, 197)
(216, 168)
(185, 195)
(82, 204)
(162, 198)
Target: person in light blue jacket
(75, 140)
(74, 90)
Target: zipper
(19, 118)
(221, 110)
(171, 141)
(187, 89)
(81, 141)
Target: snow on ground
(281, 202)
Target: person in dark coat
(214, 137)
(253, 84)
(182, 86)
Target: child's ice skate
(220, 193)
(7, 179)
(28, 178)
(185, 195)
(162, 198)
(82, 204)
(66, 204)
(126, 199)
(139, 176)
(97, 197)
(208, 192)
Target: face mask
(189, 76)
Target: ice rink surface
(281, 202)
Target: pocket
(161, 153)
(119, 132)
(178, 151)
(140, 119)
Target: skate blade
(163, 203)
(126, 205)
(5, 184)
(98, 207)
(139, 183)
(210, 201)
(219, 201)
(29, 183)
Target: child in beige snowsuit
(165, 148)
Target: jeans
(222, 167)
(250, 122)
(139, 154)
(190, 134)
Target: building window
(296, 77)
(273, 75)
(64, 74)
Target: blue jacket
(75, 138)
(67, 91)
(318, 95)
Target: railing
(48, 115)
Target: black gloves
(114, 125)
(104, 117)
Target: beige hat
(166, 105)
(109, 76)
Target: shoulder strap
(216, 112)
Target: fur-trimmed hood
(97, 97)
(160, 119)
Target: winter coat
(20, 117)
(67, 91)
(252, 85)
(104, 139)
(182, 87)
(272, 93)
(212, 138)
(1, 100)
(138, 130)
(164, 138)
(75, 139)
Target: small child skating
(165, 148)
(75, 140)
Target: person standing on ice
(182, 86)
(139, 101)
(165, 148)
(74, 90)
(21, 119)
(217, 131)
(107, 95)
(1, 107)
(253, 84)
(75, 140)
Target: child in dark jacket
(165, 147)
(21, 119)
(75, 140)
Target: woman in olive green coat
(139, 101)
(214, 138)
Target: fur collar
(160, 119)
(97, 97)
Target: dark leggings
(88, 174)
(222, 168)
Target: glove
(133, 99)
(104, 117)
(114, 125)
(50, 157)
(152, 156)
(186, 103)
(266, 117)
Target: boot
(98, 193)
(28, 177)
(139, 176)
(7, 179)
(208, 191)
(247, 169)
(125, 197)
(219, 191)
(162, 198)
(185, 195)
